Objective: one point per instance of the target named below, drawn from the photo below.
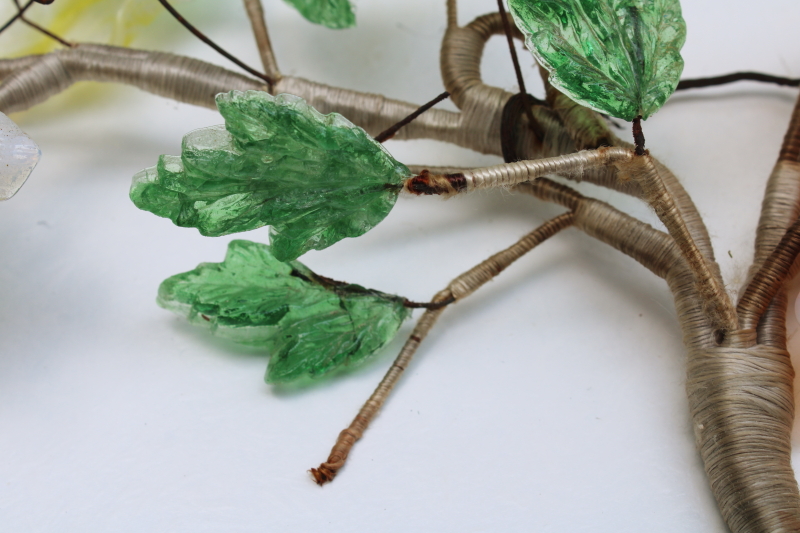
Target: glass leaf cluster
(310, 325)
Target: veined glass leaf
(309, 324)
(314, 178)
(334, 14)
(620, 57)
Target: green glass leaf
(335, 14)
(314, 178)
(620, 57)
(309, 324)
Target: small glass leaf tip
(619, 57)
(277, 161)
(310, 325)
(334, 14)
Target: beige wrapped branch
(740, 391)
(459, 288)
(255, 12)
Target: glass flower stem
(459, 288)
(255, 12)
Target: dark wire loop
(513, 113)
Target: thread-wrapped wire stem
(719, 307)
(459, 288)
(227, 55)
(255, 12)
(510, 174)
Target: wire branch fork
(459, 288)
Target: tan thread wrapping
(375, 113)
(477, 276)
(654, 249)
(452, 13)
(741, 401)
(179, 78)
(459, 288)
(255, 12)
(772, 326)
(780, 208)
(790, 149)
(740, 395)
(348, 437)
(511, 174)
(589, 130)
(710, 288)
(742, 411)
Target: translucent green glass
(335, 14)
(308, 324)
(620, 57)
(314, 178)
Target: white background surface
(551, 400)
